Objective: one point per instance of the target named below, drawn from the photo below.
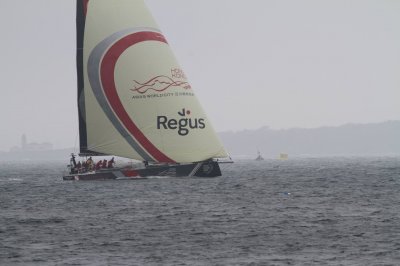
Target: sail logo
(178, 73)
(183, 125)
(162, 83)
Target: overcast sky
(252, 63)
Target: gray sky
(252, 63)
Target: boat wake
(158, 177)
(14, 179)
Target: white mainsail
(137, 101)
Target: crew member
(111, 163)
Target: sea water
(329, 211)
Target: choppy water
(332, 211)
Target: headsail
(137, 102)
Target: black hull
(204, 169)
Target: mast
(80, 30)
(81, 10)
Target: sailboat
(259, 156)
(134, 100)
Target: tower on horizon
(23, 142)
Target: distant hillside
(351, 139)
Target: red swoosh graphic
(85, 5)
(108, 81)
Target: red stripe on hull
(130, 173)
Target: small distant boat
(283, 156)
(259, 157)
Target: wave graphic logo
(162, 83)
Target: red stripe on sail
(108, 81)
(85, 5)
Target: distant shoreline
(351, 140)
